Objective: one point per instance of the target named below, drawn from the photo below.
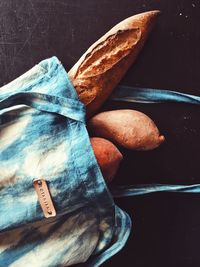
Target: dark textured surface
(166, 226)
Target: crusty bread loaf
(103, 65)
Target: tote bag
(55, 208)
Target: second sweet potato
(107, 156)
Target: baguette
(102, 66)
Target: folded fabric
(43, 135)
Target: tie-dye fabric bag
(43, 139)
(55, 208)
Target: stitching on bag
(94, 200)
(98, 214)
(74, 160)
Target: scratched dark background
(166, 227)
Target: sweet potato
(108, 157)
(128, 128)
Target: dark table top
(166, 227)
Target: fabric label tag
(44, 197)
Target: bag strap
(150, 96)
(67, 107)
(143, 189)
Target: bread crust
(103, 65)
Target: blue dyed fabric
(43, 135)
(152, 96)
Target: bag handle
(150, 96)
(143, 189)
(67, 107)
